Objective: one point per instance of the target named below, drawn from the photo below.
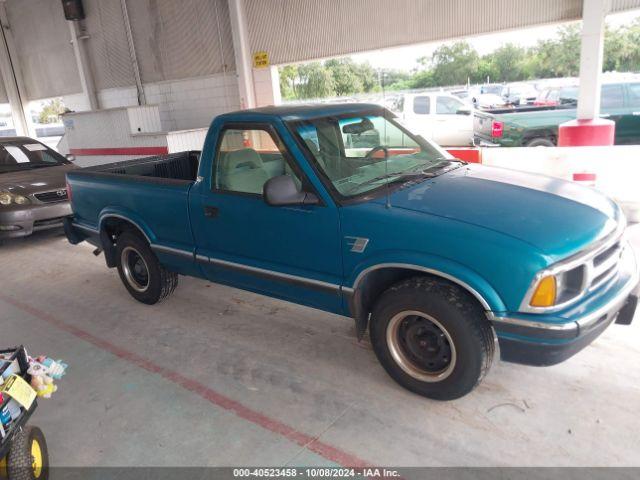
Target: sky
(404, 58)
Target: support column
(267, 86)
(589, 128)
(12, 78)
(78, 38)
(242, 54)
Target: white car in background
(437, 116)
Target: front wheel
(140, 271)
(28, 458)
(432, 338)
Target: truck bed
(175, 166)
(152, 193)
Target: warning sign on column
(260, 60)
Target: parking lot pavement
(217, 376)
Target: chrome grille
(52, 196)
(604, 266)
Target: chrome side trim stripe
(285, 277)
(173, 251)
(533, 324)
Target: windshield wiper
(402, 176)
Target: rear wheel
(540, 142)
(28, 458)
(432, 338)
(140, 271)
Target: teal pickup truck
(340, 208)
(538, 126)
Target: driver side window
(247, 158)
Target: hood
(556, 216)
(27, 182)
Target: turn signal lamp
(545, 293)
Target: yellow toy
(41, 382)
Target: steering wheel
(375, 149)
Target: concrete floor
(217, 376)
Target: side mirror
(70, 157)
(282, 190)
(463, 111)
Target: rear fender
(122, 217)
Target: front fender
(446, 268)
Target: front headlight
(560, 288)
(7, 198)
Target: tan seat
(242, 171)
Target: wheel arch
(111, 225)
(375, 279)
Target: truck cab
(342, 208)
(437, 116)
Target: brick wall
(183, 104)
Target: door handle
(210, 212)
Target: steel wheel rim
(135, 269)
(428, 356)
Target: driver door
(289, 252)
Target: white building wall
(183, 104)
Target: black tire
(540, 142)
(440, 321)
(140, 271)
(20, 462)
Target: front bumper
(532, 339)
(20, 222)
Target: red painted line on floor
(304, 440)
(120, 151)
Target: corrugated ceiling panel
(298, 30)
(45, 55)
(176, 40)
(621, 5)
(3, 92)
(107, 44)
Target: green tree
(51, 111)
(506, 64)
(288, 81)
(315, 81)
(454, 64)
(621, 48)
(557, 57)
(346, 81)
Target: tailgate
(482, 124)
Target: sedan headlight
(7, 198)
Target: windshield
(17, 156)
(351, 150)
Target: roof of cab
(302, 111)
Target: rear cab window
(612, 96)
(422, 105)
